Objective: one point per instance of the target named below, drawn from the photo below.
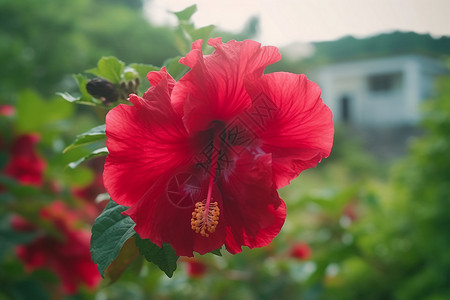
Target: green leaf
(186, 14)
(165, 258)
(217, 252)
(110, 68)
(126, 256)
(80, 176)
(109, 233)
(85, 98)
(174, 68)
(199, 33)
(143, 70)
(98, 152)
(202, 33)
(35, 114)
(91, 136)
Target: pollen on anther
(205, 222)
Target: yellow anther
(205, 222)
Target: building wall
(378, 93)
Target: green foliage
(400, 243)
(34, 114)
(96, 153)
(143, 70)
(10, 238)
(372, 236)
(109, 68)
(350, 49)
(187, 33)
(165, 257)
(217, 252)
(109, 233)
(126, 258)
(186, 14)
(93, 135)
(84, 97)
(41, 42)
(423, 183)
(174, 68)
(396, 43)
(121, 80)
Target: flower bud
(103, 90)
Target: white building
(379, 93)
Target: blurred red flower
(25, 164)
(7, 110)
(301, 251)
(350, 211)
(199, 161)
(67, 255)
(195, 268)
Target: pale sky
(283, 22)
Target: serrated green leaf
(216, 252)
(126, 256)
(109, 233)
(98, 152)
(186, 14)
(165, 258)
(174, 68)
(91, 136)
(109, 68)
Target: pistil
(206, 214)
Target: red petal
(155, 77)
(300, 132)
(164, 214)
(144, 141)
(253, 211)
(214, 87)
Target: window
(383, 83)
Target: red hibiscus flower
(199, 161)
(25, 165)
(68, 256)
(301, 251)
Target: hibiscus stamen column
(206, 213)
